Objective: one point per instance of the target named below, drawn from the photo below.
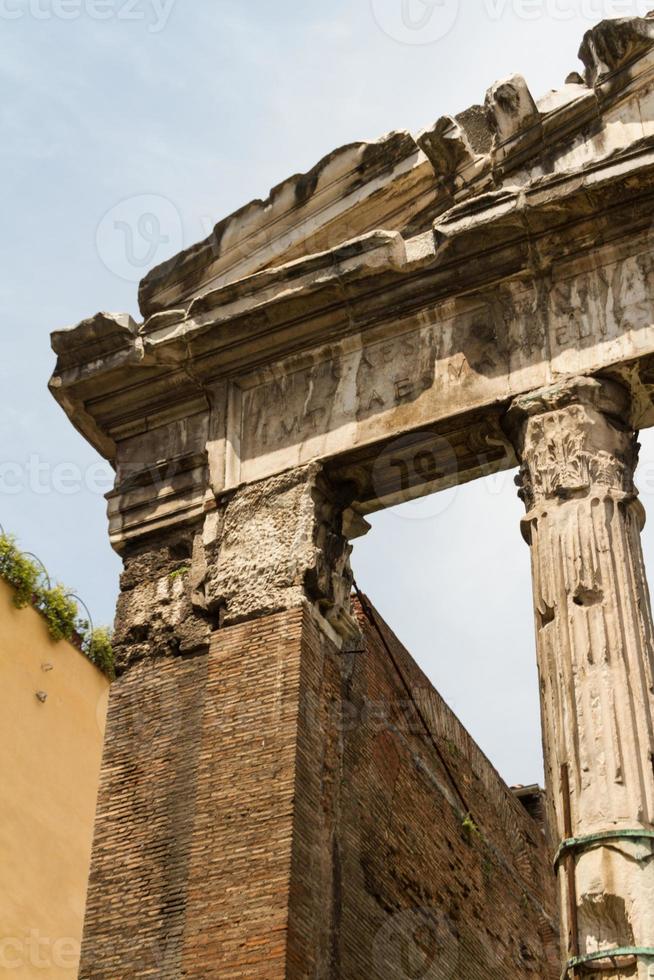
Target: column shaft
(594, 641)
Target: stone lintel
(332, 358)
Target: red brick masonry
(276, 809)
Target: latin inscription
(456, 357)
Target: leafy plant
(60, 612)
(100, 651)
(19, 570)
(54, 603)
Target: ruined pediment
(404, 181)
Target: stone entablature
(525, 279)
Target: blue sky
(203, 105)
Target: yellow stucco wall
(50, 756)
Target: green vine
(60, 612)
(19, 571)
(59, 609)
(101, 651)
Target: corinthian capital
(573, 438)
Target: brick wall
(275, 809)
(425, 893)
(191, 864)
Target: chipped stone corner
(278, 543)
(261, 549)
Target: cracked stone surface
(277, 543)
(269, 547)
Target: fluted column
(594, 637)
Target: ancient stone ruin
(410, 314)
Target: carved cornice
(353, 289)
(403, 182)
(615, 45)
